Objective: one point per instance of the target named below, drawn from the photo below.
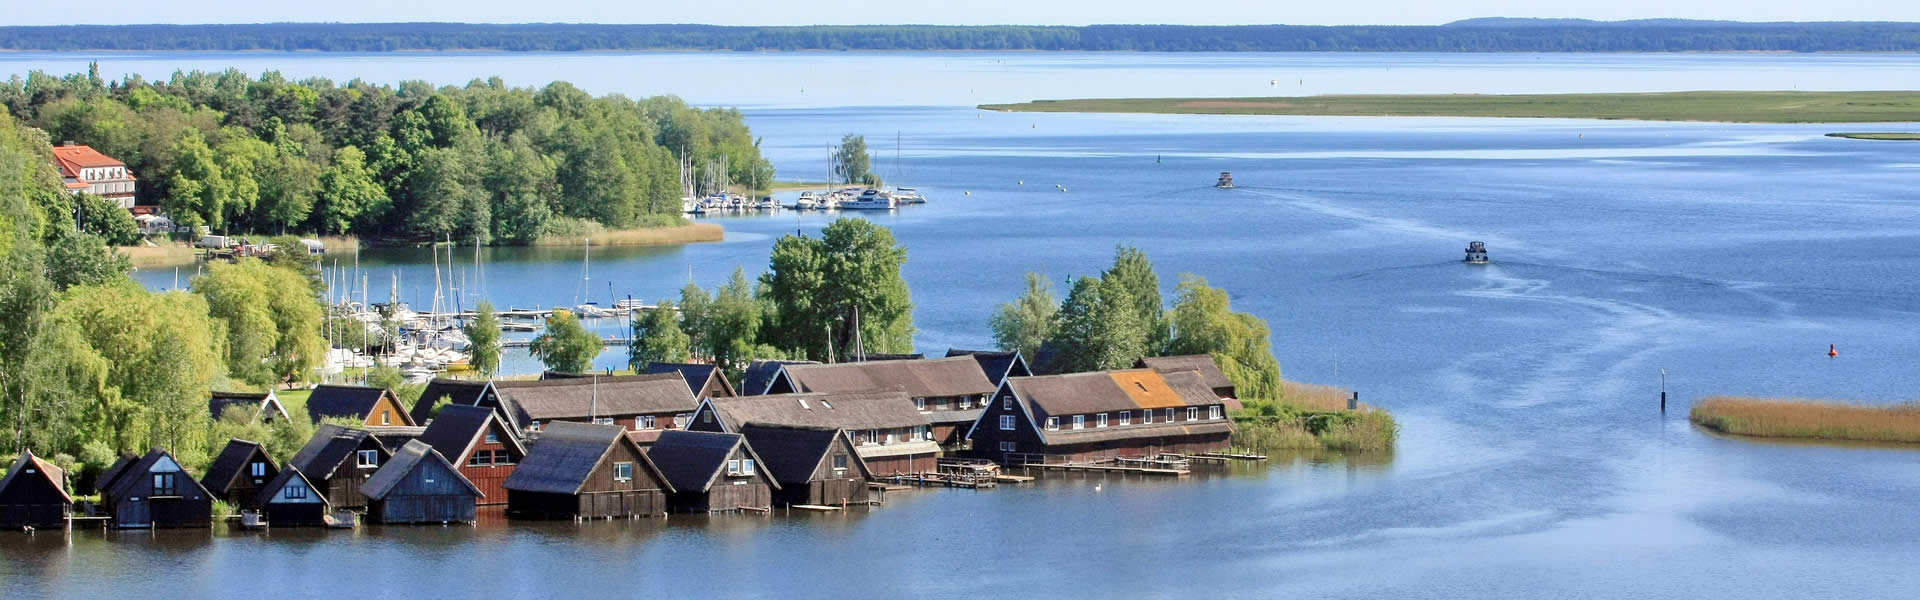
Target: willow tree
(1203, 322)
(272, 318)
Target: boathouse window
(1146, 416)
(500, 457)
(623, 471)
(1006, 422)
(1169, 418)
(369, 459)
(493, 438)
(163, 485)
(1193, 414)
(1213, 412)
(386, 418)
(259, 469)
(294, 491)
(644, 422)
(920, 403)
(733, 467)
(603, 421)
(1126, 417)
(706, 417)
(1006, 403)
(480, 459)
(1103, 420)
(1079, 421)
(684, 419)
(746, 467)
(839, 464)
(926, 432)
(1053, 423)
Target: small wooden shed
(712, 472)
(34, 494)
(418, 485)
(814, 465)
(579, 470)
(156, 492)
(239, 472)
(293, 500)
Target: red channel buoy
(1832, 351)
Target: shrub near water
(1810, 419)
(1313, 417)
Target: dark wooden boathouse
(705, 381)
(34, 494)
(1087, 417)
(293, 500)
(586, 471)
(418, 486)
(238, 473)
(261, 407)
(712, 472)
(814, 465)
(156, 492)
(368, 405)
(338, 461)
(456, 392)
(482, 446)
(890, 435)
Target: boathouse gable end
(991, 441)
(34, 494)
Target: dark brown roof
(458, 428)
(886, 409)
(404, 461)
(392, 437)
(272, 488)
(697, 375)
(793, 452)
(333, 400)
(460, 392)
(330, 446)
(1075, 393)
(53, 474)
(107, 477)
(997, 366)
(124, 484)
(1209, 370)
(874, 357)
(760, 374)
(692, 460)
(608, 396)
(939, 377)
(254, 402)
(231, 462)
(1192, 385)
(566, 454)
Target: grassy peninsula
(1313, 417)
(1736, 107)
(1800, 418)
(1886, 136)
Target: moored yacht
(870, 200)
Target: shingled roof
(1192, 385)
(879, 409)
(793, 451)
(1111, 391)
(232, 462)
(693, 460)
(1204, 364)
(404, 461)
(559, 399)
(458, 428)
(330, 446)
(272, 488)
(124, 483)
(697, 375)
(939, 377)
(53, 474)
(217, 403)
(334, 400)
(997, 366)
(113, 472)
(567, 454)
(467, 393)
(760, 374)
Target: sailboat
(588, 309)
(903, 195)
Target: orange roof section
(1148, 389)
(79, 156)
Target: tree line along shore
(1715, 106)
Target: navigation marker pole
(1663, 391)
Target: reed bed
(644, 236)
(1804, 418)
(1314, 417)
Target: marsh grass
(667, 231)
(1313, 417)
(1887, 136)
(1809, 419)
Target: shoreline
(180, 254)
(1890, 106)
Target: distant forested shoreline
(1474, 35)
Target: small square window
(1053, 423)
(623, 471)
(746, 467)
(1102, 420)
(733, 467)
(369, 459)
(1006, 422)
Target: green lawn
(1741, 107)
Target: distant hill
(1472, 35)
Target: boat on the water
(1225, 182)
(870, 200)
(1476, 253)
(807, 201)
(907, 195)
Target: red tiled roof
(79, 157)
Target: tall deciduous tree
(851, 163)
(1133, 274)
(1024, 324)
(567, 346)
(347, 190)
(1097, 329)
(272, 320)
(199, 188)
(819, 288)
(657, 337)
(1204, 323)
(483, 335)
(163, 353)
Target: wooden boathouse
(239, 472)
(890, 436)
(813, 465)
(418, 485)
(480, 445)
(1102, 415)
(949, 391)
(368, 405)
(34, 494)
(155, 492)
(338, 460)
(291, 499)
(585, 471)
(712, 472)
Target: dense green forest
(1477, 35)
(486, 161)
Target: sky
(947, 12)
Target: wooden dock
(1105, 468)
(814, 507)
(1231, 456)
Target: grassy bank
(1878, 136)
(1801, 418)
(643, 236)
(792, 186)
(1741, 107)
(1314, 417)
(163, 255)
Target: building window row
(1124, 417)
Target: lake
(1534, 461)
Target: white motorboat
(806, 201)
(907, 195)
(870, 200)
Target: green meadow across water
(1736, 107)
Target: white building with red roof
(84, 169)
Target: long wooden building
(949, 391)
(419, 486)
(712, 472)
(480, 445)
(367, 405)
(155, 492)
(1101, 415)
(34, 494)
(1202, 364)
(814, 465)
(338, 461)
(238, 473)
(890, 436)
(644, 405)
(586, 471)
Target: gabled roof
(794, 452)
(53, 474)
(272, 488)
(697, 375)
(566, 455)
(334, 400)
(217, 402)
(392, 437)
(460, 392)
(404, 461)
(586, 397)
(997, 366)
(693, 460)
(126, 482)
(1192, 386)
(902, 356)
(459, 428)
(231, 462)
(330, 446)
(878, 409)
(1204, 364)
(760, 374)
(113, 472)
(72, 158)
(939, 377)
(1110, 391)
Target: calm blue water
(1534, 462)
